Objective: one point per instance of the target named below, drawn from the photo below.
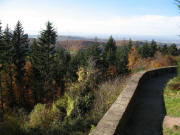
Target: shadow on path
(149, 110)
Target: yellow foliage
(83, 75)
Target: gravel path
(149, 111)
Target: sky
(94, 17)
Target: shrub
(84, 104)
(106, 94)
(92, 128)
(160, 60)
(62, 108)
(40, 117)
(11, 125)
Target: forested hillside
(49, 90)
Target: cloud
(67, 22)
(137, 25)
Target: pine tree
(144, 51)
(130, 44)
(47, 41)
(172, 50)
(122, 59)
(153, 48)
(78, 60)
(109, 53)
(9, 69)
(94, 51)
(1, 68)
(20, 49)
(61, 69)
(3, 49)
(164, 49)
(35, 59)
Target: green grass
(174, 131)
(139, 69)
(172, 98)
(172, 104)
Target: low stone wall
(117, 116)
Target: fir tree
(1, 67)
(109, 53)
(78, 60)
(130, 44)
(144, 51)
(35, 59)
(47, 41)
(164, 49)
(9, 69)
(94, 51)
(122, 59)
(61, 69)
(153, 48)
(2, 49)
(172, 50)
(20, 49)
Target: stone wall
(116, 117)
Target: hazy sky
(132, 17)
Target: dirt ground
(170, 122)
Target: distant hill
(75, 43)
(65, 38)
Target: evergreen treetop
(48, 36)
(109, 52)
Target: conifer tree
(47, 41)
(144, 51)
(9, 69)
(61, 69)
(122, 59)
(109, 53)
(20, 49)
(130, 44)
(153, 48)
(78, 60)
(172, 50)
(94, 51)
(1, 67)
(35, 59)
(2, 49)
(164, 49)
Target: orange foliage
(112, 71)
(136, 62)
(161, 61)
(132, 59)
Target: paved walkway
(149, 111)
